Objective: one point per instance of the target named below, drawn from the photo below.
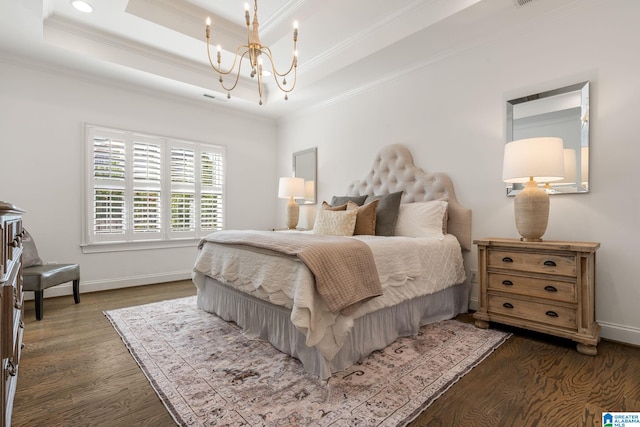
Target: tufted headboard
(393, 170)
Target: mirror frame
(583, 88)
(308, 175)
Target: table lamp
(291, 188)
(530, 161)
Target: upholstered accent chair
(37, 276)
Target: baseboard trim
(473, 304)
(117, 283)
(620, 333)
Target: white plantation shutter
(108, 186)
(211, 181)
(183, 207)
(109, 211)
(182, 165)
(147, 188)
(183, 189)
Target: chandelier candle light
(254, 49)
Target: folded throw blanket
(344, 268)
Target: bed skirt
(373, 331)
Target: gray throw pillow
(30, 255)
(386, 213)
(341, 200)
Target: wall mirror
(304, 166)
(562, 113)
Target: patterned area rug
(207, 373)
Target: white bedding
(408, 267)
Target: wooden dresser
(11, 299)
(544, 286)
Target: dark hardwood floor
(538, 380)
(75, 371)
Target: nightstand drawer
(530, 286)
(533, 311)
(564, 265)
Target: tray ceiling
(159, 44)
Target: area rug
(208, 373)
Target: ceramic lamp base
(293, 212)
(532, 212)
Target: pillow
(341, 200)
(335, 223)
(424, 219)
(328, 207)
(30, 255)
(386, 213)
(366, 218)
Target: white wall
(41, 165)
(451, 115)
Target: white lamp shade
(584, 164)
(570, 166)
(309, 189)
(291, 187)
(540, 158)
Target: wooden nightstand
(544, 286)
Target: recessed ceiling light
(82, 6)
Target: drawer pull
(550, 288)
(551, 313)
(14, 243)
(550, 263)
(507, 305)
(507, 282)
(17, 305)
(507, 259)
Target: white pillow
(424, 219)
(335, 223)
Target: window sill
(139, 245)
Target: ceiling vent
(520, 3)
(215, 98)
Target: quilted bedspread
(407, 268)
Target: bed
(278, 295)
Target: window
(143, 188)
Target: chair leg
(39, 295)
(76, 291)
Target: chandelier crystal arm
(294, 62)
(293, 85)
(235, 83)
(253, 50)
(219, 67)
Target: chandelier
(254, 51)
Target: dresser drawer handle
(14, 243)
(507, 259)
(507, 282)
(551, 313)
(507, 305)
(550, 288)
(550, 263)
